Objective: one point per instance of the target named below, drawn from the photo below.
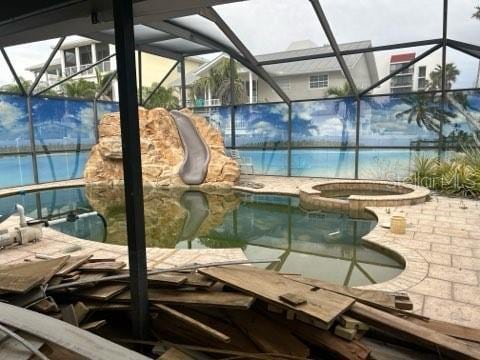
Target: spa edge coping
(415, 265)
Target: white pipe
(21, 213)
(65, 219)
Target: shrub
(459, 175)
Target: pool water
(320, 245)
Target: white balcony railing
(102, 67)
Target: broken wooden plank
(19, 284)
(197, 325)
(175, 354)
(105, 306)
(101, 292)
(173, 279)
(345, 333)
(322, 305)
(69, 315)
(366, 296)
(198, 280)
(63, 334)
(403, 304)
(73, 263)
(388, 351)
(239, 341)
(12, 349)
(97, 260)
(267, 335)
(81, 311)
(384, 321)
(94, 325)
(227, 300)
(293, 299)
(458, 331)
(111, 266)
(323, 339)
(46, 306)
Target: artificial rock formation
(162, 152)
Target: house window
(102, 51)
(85, 54)
(70, 59)
(422, 77)
(284, 83)
(318, 81)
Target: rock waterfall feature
(178, 150)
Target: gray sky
(271, 25)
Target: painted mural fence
(56, 134)
(321, 139)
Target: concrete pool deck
(441, 249)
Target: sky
(271, 25)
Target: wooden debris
(403, 304)
(198, 298)
(102, 292)
(12, 349)
(63, 334)
(94, 325)
(388, 322)
(73, 263)
(293, 299)
(458, 331)
(343, 332)
(175, 354)
(351, 323)
(368, 297)
(81, 311)
(111, 266)
(267, 335)
(173, 279)
(46, 306)
(19, 283)
(102, 260)
(322, 305)
(197, 325)
(69, 315)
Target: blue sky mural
(324, 123)
(63, 124)
(14, 134)
(261, 125)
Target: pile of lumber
(234, 311)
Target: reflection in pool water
(321, 245)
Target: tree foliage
(163, 97)
(217, 82)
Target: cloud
(10, 115)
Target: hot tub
(353, 196)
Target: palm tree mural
(217, 82)
(425, 109)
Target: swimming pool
(321, 245)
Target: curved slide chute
(193, 170)
(196, 205)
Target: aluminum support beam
(45, 66)
(184, 85)
(132, 165)
(73, 75)
(14, 73)
(333, 44)
(465, 48)
(212, 15)
(160, 83)
(351, 52)
(406, 66)
(107, 84)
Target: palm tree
(80, 88)
(13, 87)
(163, 97)
(476, 14)
(218, 83)
(436, 76)
(102, 81)
(340, 91)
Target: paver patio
(441, 250)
